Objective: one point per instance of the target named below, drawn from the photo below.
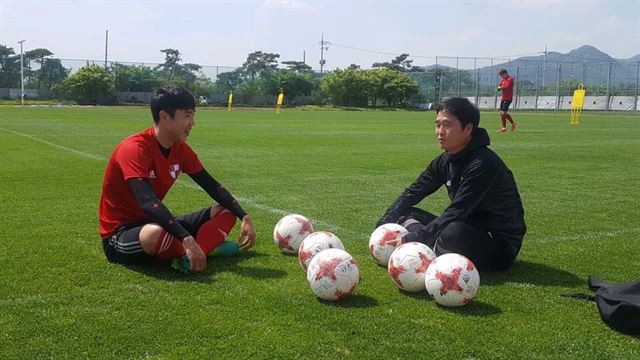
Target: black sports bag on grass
(619, 305)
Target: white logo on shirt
(174, 170)
(152, 174)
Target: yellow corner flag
(279, 102)
(230, 101)
(577, 103)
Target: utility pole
(21, 73)
(323, 46)
(304, 56)
(106, 47)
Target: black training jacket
(482, 190)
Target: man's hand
(196, 256)
(247, 234)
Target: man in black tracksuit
(485, 220)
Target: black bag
(619, 305)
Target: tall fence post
(608, 93)
(475, 91)
(537, 85)
(457, 77)
(437, 83)
(515, 106)
(495, 96)
(637, 86)
(558, 88)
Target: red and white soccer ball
(381, 241)
(290, 231)
(333, 274)
(408, 265)
(452, 280)
(314, 243)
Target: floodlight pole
(21, 73)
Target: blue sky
(224, 32)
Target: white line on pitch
(184, 183)
(77, 152)
(592, 235)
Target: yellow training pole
(230, 101)
(279, 102)
(577, 103)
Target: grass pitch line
(184, 183)
(61, 147)
(263, 207)
(593, 235)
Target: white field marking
(263, 207)
(77, 152)
(186, 184)
(591, 235)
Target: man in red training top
(506, 85)
(135, 225)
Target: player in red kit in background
(135, 225)
(506, 86)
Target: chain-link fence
(539, 84)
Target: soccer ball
(290, 231)
(408, 264)
(333, 274)
(379, 246)
(452, 280)
(314, 243)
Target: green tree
(171, 59)
(298, 66)
(51, 73)
(396, 88)
(292, 83)
(202, 86)
(135, 78)
(229, 81)
(352, 87)
(400, 63)
(347, 87)
(9, 68)
(259, 63)
(92, 84)
(37, 56)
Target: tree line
(387, 84)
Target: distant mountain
(588, 52)
(634, 58)
(586, 64)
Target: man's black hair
(502, 71)
(171, 98)
(462, 109)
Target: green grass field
(60, 298)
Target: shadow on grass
(531, 273)
(476, 308)
(163, 271)
(421, 295)
(354, 301)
